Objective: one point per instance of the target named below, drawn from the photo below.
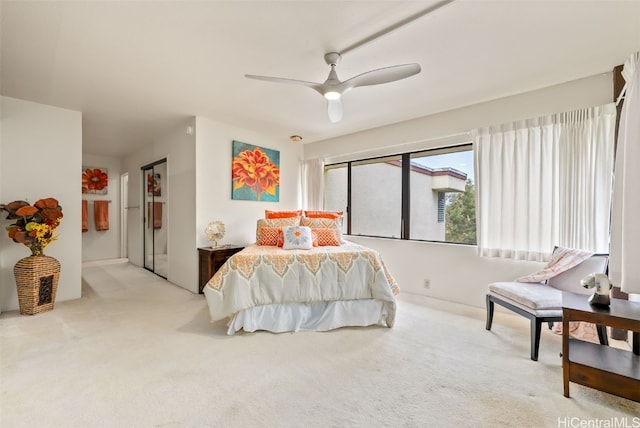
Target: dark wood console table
(607, 369)
(211, 259)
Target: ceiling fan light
(331, 95)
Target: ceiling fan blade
(334, 107)
(283, 80)
(381, 75)
(332, 88)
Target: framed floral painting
(255, 173)
(95, 180)
(153, 185)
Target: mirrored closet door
(155, 217)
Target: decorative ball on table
(215, 232)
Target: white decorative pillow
(297, 237)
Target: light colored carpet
(136, 351)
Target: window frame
(406, 157)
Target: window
(376, 197)
(336, 190)
(427, 195)
(442, 206)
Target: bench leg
(602, 334)
(536, 327)
(489, 312)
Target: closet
(154, 223)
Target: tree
(460, 216)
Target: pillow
(282, 214)
(325, 237)
(297, 237)
(267, 229)
(279, 222)
(324, 214)
(268, 236)
(324, 223)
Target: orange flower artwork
(153, 185)
(255, 173)
(95, 180)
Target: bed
(266, 287)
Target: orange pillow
(268, 236)
(282, 214)
(334, 215)
(266, 230)
(324, 223)
(325, 237)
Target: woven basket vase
(37, 283)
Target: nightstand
(612, 370)
(211, 259)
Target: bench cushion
(535, 296)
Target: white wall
(2, 281)
(456, 272)
(213, 181)
(101, 245)
(178, 148)
(41, 150)
(199, 190)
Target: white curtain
(312, 184)
(544, 182)
(624, 263)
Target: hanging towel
(85, 216)
(101, 214)
(156, 214)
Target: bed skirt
(279, 318)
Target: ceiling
(138, 68)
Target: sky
(462, 161)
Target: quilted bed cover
(265, 275)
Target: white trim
(124, 206)
(450, 140)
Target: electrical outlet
(427, 283)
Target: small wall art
(95, 180)
(255, 173)
(154, 187)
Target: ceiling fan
(333, 89)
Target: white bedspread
(264, 275)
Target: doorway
(154, 223)
(124, 214)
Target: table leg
(565, 354)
